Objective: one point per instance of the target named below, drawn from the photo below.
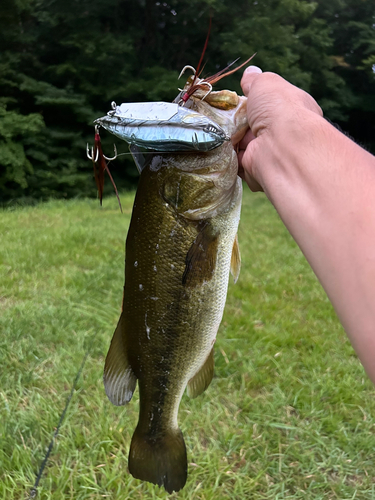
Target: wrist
(300, 161)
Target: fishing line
(158, 153)
(34, 489)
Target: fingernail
(252, 69)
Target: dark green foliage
(63, 62)
(14, 131)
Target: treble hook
(202, 82)
(111, 159)
(186, 96)
(91, 157)
(185, 68)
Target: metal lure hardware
(163, 126)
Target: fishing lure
(169, 127)
(163, 127)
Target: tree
(62, 63)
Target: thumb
(248, 77)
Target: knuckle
(311, 104)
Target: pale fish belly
(216, 290)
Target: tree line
(62, 62)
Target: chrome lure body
(163, 126)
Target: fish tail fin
(159, 459)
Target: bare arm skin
(322, 185)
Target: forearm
(324, 190)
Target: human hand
(275, 109)
(322, 185)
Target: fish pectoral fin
(119, 378)
(235, 261)
(160, 459)
(202, 378)
(201, 257)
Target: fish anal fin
(119, 379)
(201, 257)
(159, 459)
(235, 261)
(202, 378)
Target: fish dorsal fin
(202, 378)
(119, 379)
(201, 257)
(235, 261)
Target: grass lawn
(289, 414)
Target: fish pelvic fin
(159, 459)
(202, 378)
(235, 261)
(119, 378)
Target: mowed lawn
(289, 414)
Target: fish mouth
(233, 120)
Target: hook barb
(111, 159)
(91, 156)
(184, 69)
(209, 89)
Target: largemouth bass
(180, 248)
